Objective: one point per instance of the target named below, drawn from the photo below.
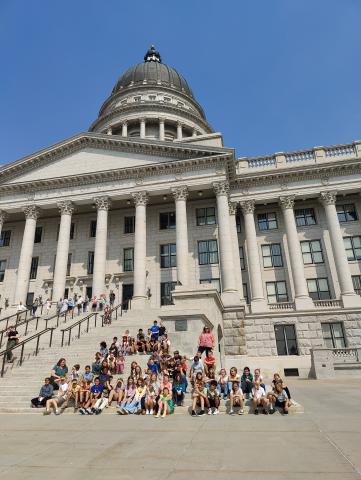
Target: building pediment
(93, 156)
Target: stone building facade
(150, 204)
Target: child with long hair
(222, 383)
(209, 361)
(279, 398)
(236, 398)
(259, 398)
(117, 393)
(119, 363)
(129, 393)
(150, 397)
(165, 403)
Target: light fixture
(200, 193)
(128, 202)
(164, 197)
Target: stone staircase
(21, 383)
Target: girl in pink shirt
(206, 340)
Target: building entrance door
(127, 295)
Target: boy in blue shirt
(155, 330)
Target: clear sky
(271, 75)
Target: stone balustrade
(282, 306)
(324, 361)
(327, 303)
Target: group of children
(161, 386)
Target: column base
(231, 299)
(139, 303)
(259, 306)
(304, 303)
(351, 301)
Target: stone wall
(260, 334)
(234, 333)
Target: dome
(153, 72)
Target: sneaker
(57, 412)
(256, 411)
(201, 413)
(241, 411)
(193, 414)
(209, 411)
(93, 410)
(231, 412)
(88, 411)
(271, 411)
(147, 412)
(216, 411)
(151, 411)
(98, 411)
(82, 411)
(265, 412)
(285, 412)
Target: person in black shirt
(13, 339)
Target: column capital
(221, 188)
(140, 198)
(248, 206)
(124, 122)
(66, 207)
(3, 216)
(161, 119)
(232, 207)
(31, 211)
(180, 193)
(102, 203)
(287, 202)
(328, 198)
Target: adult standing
(206, 340)
(13, 339)
(111, 298)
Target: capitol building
(149, 204)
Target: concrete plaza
(322, 443)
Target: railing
(300, 156)
(340, 150)
(327, 303)
(346, 355)
(282, 306)
(22, 344)
(261, 162)
(78, 324)
(15, 316)
(24, 322)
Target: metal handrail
(27, 321)
(114, 309)
(22, 345)
(78, 324)
(17, 315)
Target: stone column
(236, 259)
(66, 210)
(229, 294)
(302, 299)
(22, 281)
(125, 129)
(180, 195)
(179, 131)
(140, 250)
(2, 219)
(161, 130)
(349, 298)
(100, 250)
(258, 301)
(142, 128)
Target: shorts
(204, 349)
(60, 401)
(280, 404)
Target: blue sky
(272, 75)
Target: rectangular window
(128, 259)
(206, 216)
(166, 293)
(318, 288)
(5, 238)
(38, 234)
(93, 228)
(90, 266)
(213, 281)
(272, 255)
(238, 222)
(356, 280)
(207, 252)
(276, 292)
(312, 252)
(353, 247)
(168, 255)
(242, 258)
(333, 335)
(286, 340)
(68, 265)
(34, 268)
(167, 220)
(346, 213)
(245, 293)
(267, 221)
(2, 270)
(305, 216)
(129, 224)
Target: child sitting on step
(236, 398)
(165, 403)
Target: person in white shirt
(236, 398)
(259, 398)
(48, 307)
(21, 307)
(57, 401)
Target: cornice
(159, 108)
(105, 142)
(297, 174)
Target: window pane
(213, 245)
(312, 285)
(326, 330)
(323, 284)
(347, 242)
(271, 288)
(281, 287)
(317, 257)
(276, 249)
(290, 332)
(337, 330)
(267, 262)
(266, 250)
(202, 246)
(305, 247)
(277, 261)
(316, 246)
(356, 242)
